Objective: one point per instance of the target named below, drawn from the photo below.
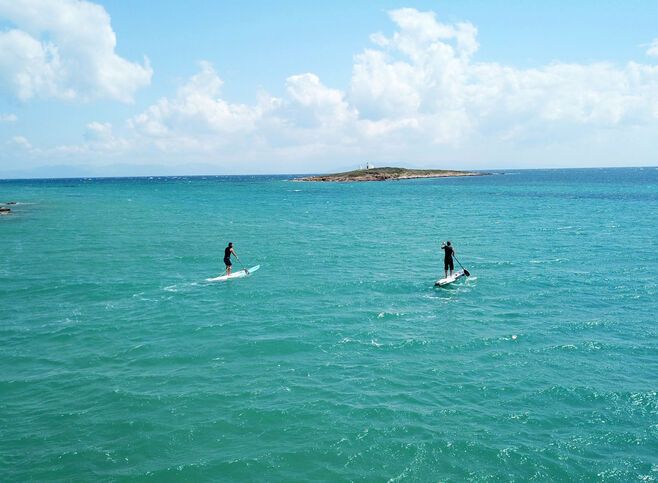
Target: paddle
(242, 265)
(466, 272)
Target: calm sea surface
(338, 360)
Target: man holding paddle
(227, 257)
(447, 259)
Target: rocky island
(383, 174)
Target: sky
(124, 88)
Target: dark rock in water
(10, 203)
(4, 211)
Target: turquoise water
(338, 360)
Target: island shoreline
(386, 174)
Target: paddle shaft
(242, 265)
(466, 272)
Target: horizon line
(147, 176)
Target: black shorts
(227, 262)
(448, 264)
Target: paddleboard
(449, 280)
(238, 274)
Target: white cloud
(327, 107)
(99, 131)
(197, 118)
(22, 142)
(425, 72)
(417, 96)
(8, 118)
(64, 49)
(653, 48)
(100, 138)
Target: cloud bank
(421, 85)
(417, 96)
(64, 49)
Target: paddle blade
(467, 273)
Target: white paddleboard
(449, 280)
(238, 274)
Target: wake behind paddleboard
(448, 280)
(238, 274)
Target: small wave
(142, 296)
(552, 260)
(181, 287)
(381, 315)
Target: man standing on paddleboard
(447, 259)
(227, 257)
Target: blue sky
(263, 87)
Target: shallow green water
(338, 360)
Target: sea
(338, 360)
